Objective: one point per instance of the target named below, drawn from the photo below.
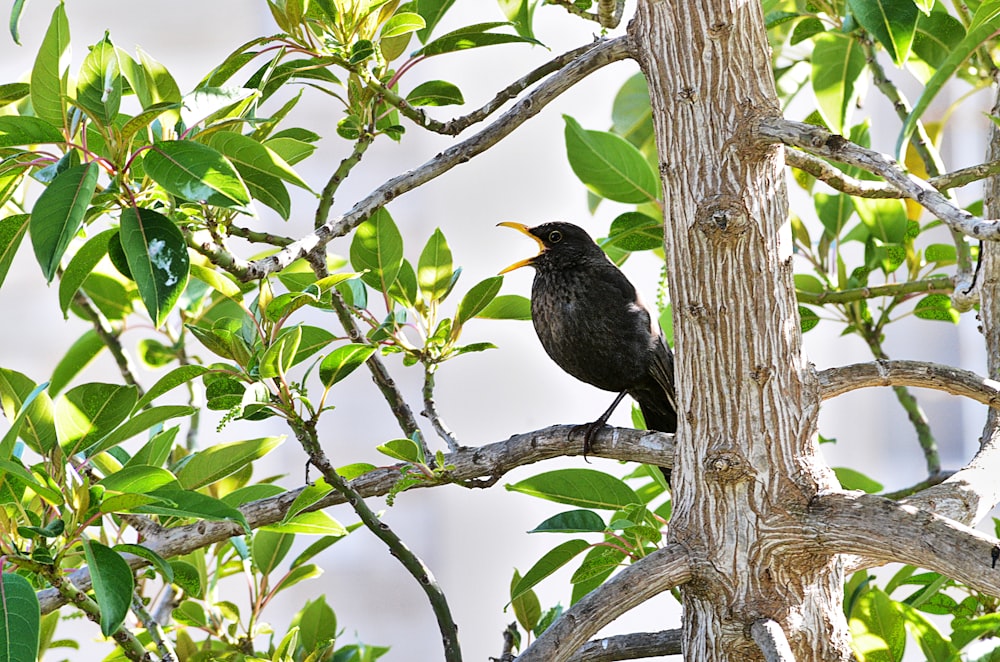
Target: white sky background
(470, 539)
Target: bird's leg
(592, 428)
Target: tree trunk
(747, 463)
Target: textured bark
(746, 463)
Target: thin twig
(930, 481)
(259, 237)
(163, 646)
(425, 578)
(339, 175)
(430, 411)
(602, 54)
(817, 140)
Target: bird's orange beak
(520, 227)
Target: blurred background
(471, 539)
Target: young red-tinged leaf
(582, 488)
(269, 549)
(402, 449)
(572, 521)
(20, 394)
(81, 266)
(157, 257)
(378, 248)
(113, 584)
(609, 165)
(49, 73)
(527, 608)
(99, 85)
(554, 559)
(80, 354)
(12, 231)
(20, 620)
(58, 214)
(507, 307)
(220, 460)
(196, 173)
(434, 269)
(88, 412)
(343, 361)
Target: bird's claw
(589, 430)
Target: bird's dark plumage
(592, 323)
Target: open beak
(520, 227)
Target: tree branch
(600, 55)
(630, 647)
(876, 528)
(942, 284)
(660, 571)
(840, 380)
(771, 640)
(817, 140)
(489, 462)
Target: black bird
(593, 324)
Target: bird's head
(557, 242)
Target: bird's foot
(589, 430)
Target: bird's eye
(555, 236)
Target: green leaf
(16, 131)
(378, 247)
(472, 36)
(855, 480)
(877, 628)
(15, 471)
(936, 307)
(155, 451)
(937, 35)
(20, 620)
(113, 584)
(154, 559)
(982, 28)
(402, 23)
(49, 73)
(583, 488)
(834, 211)
(12, 229)
(88, 412)
(78, 357)
(139, 479)
(220, 460)
(218, 281)
(435, 93)
(187, 577)
(434, 269)
(936, 648)
(81, 266)
(343, 361)
(317, 624)
(309, 495)
(635, 231)
(548, 564)
(596, 567)
(476, 299)
(572, 521)
(99, 85)
(892, 22)
(609, 165)
(507, 307)
(837, 64)
(157, 257)
(250, 156)
(196, 173)
(141, 422)
(38, 429)
(432, 11)
(527, 608)
(13, 92)
(170, 381)
(631, 114)
(185, 503)
(58, 214)
(269, 549)
(885, 218)
(405, 450)
(807, 318)
(277, 358)
(316, 523)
